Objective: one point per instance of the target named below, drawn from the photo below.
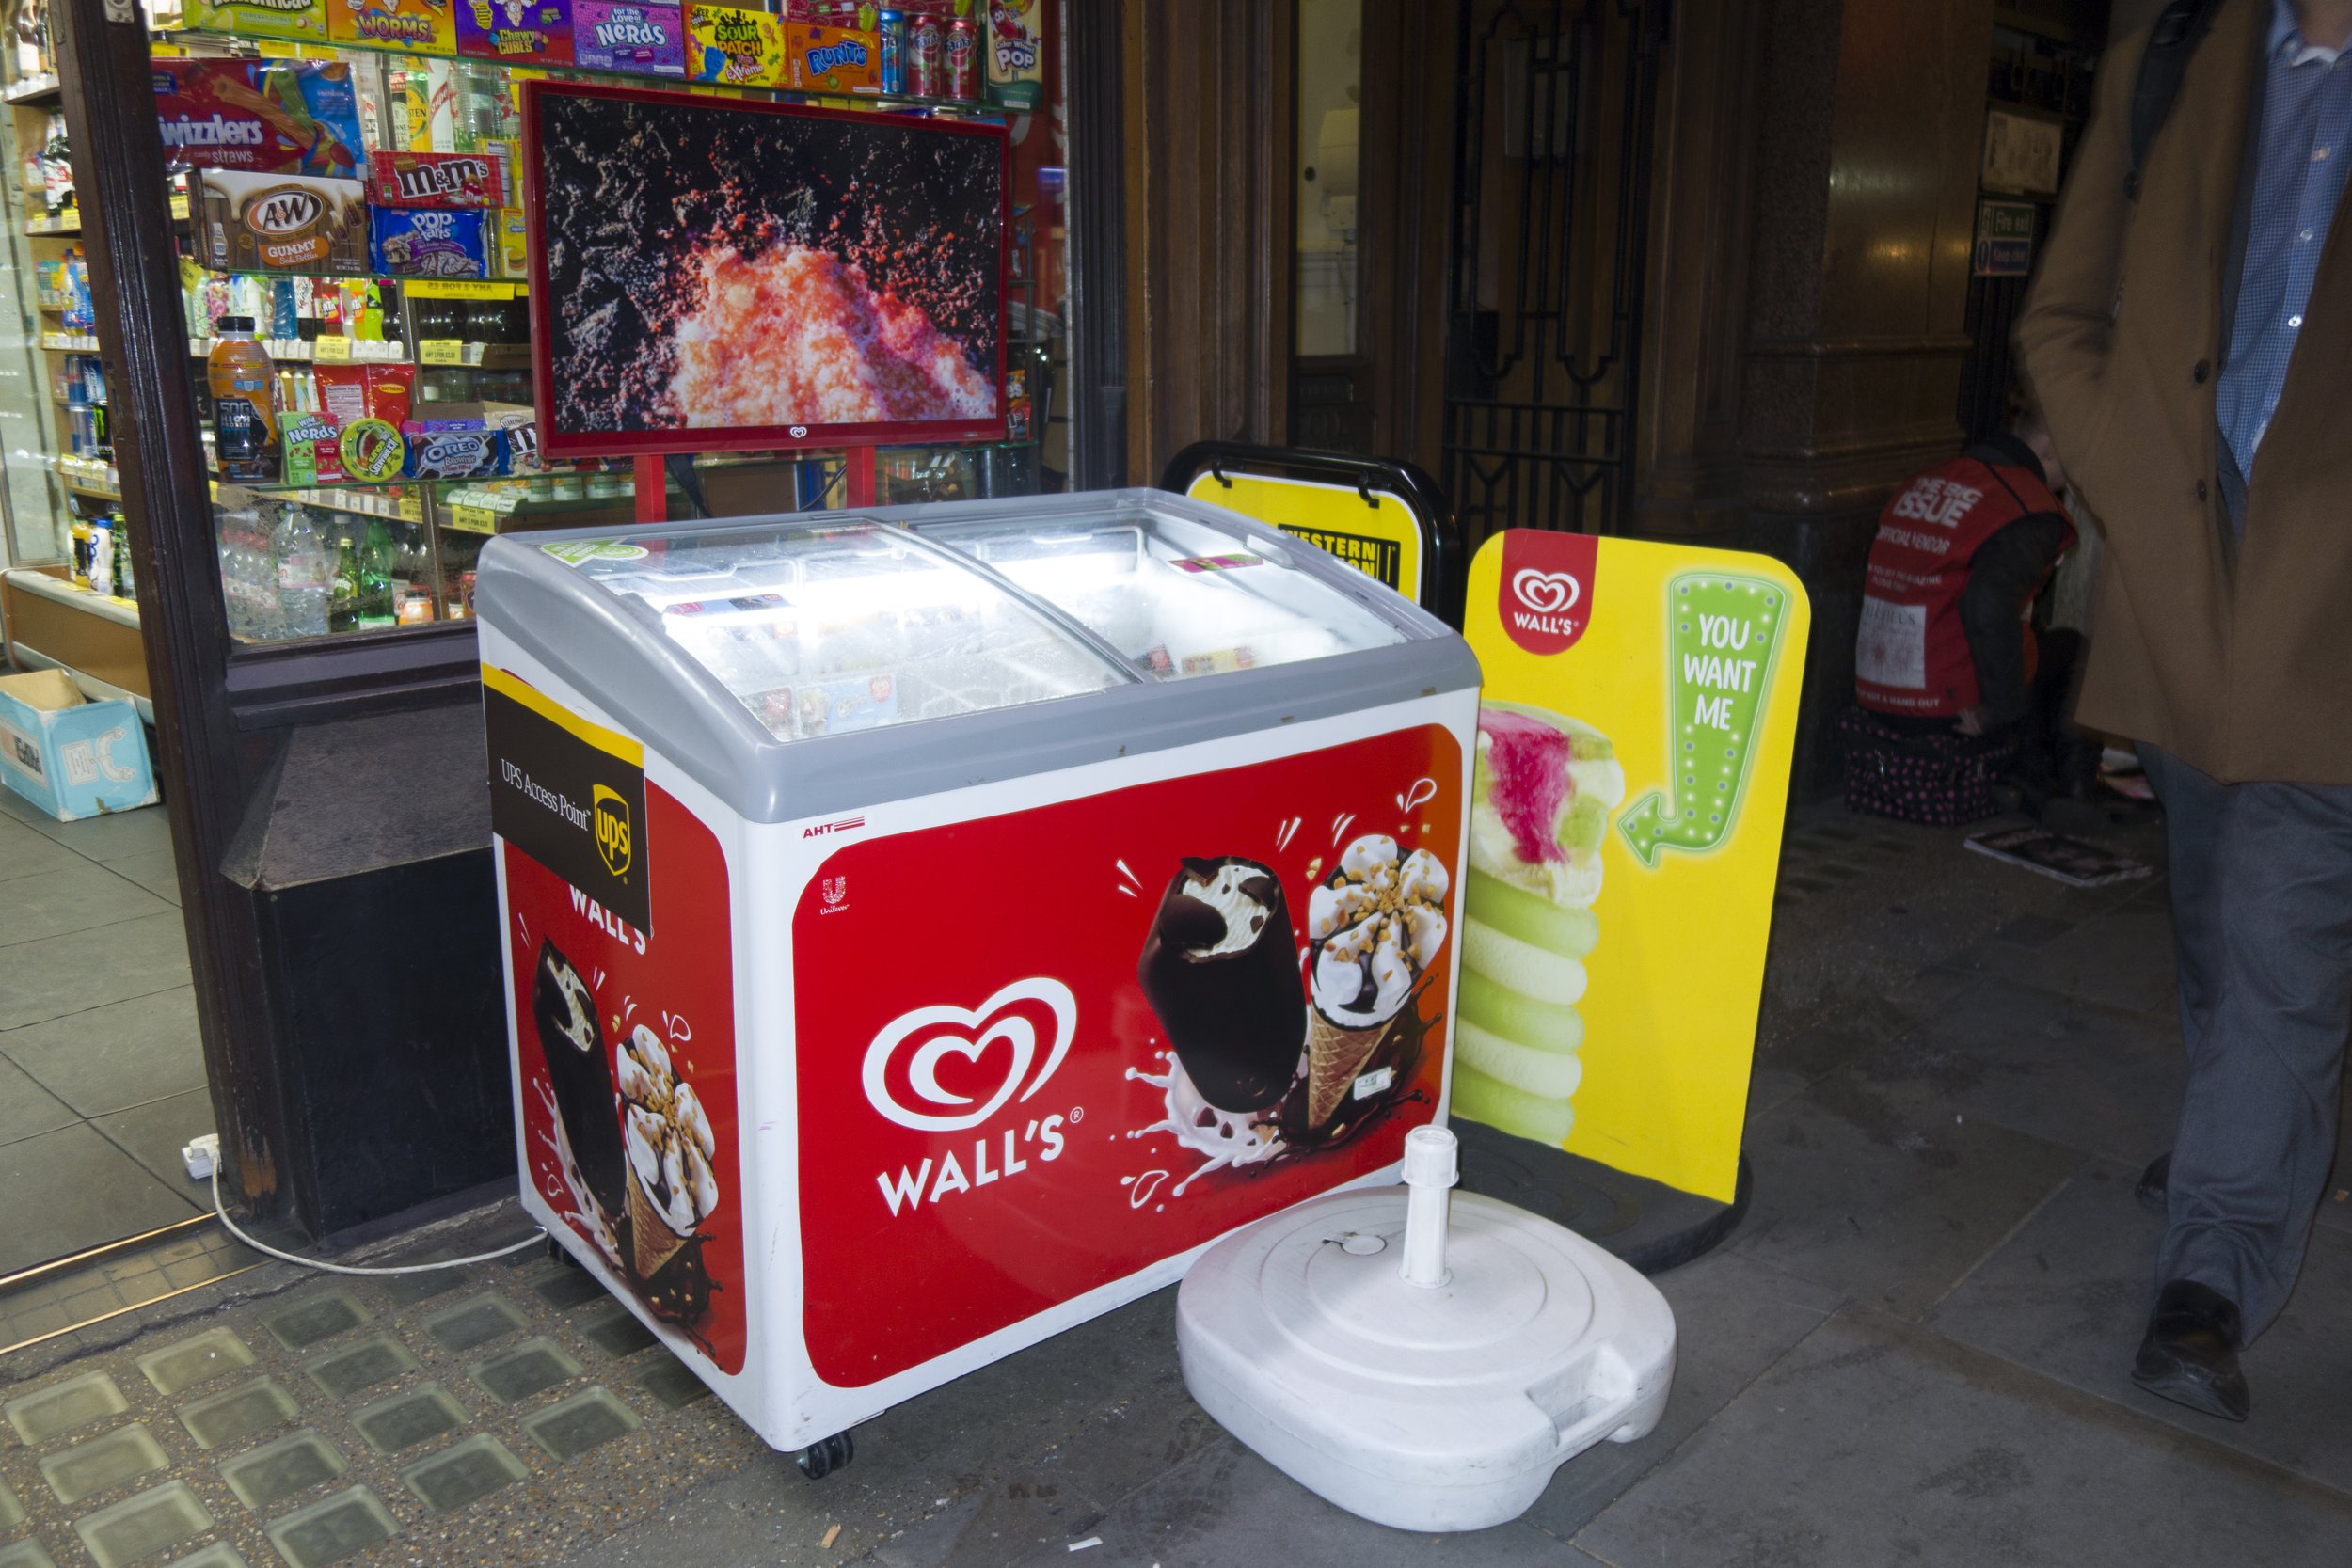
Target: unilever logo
(902, 1068)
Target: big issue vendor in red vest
(1961, 550)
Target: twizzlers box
(515, 32)
(650, 39)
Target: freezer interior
(822, 630)
(1177, 597)
(819, 630)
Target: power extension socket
(202, 1156)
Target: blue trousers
(2262, 917)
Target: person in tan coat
(2189, 339)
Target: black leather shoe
(2190, 1353)
(2154, 1191)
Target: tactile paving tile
(615, 1330)
(142, 1526)
(471, 1325)
(276, 1471)
(672, 1382)
(88, 1468)
(11, 1512)
(378, 1358)
(247, 1409)
(25, 1554)
(219, 1554)
(333, 1529)
(587, 1420)
(178, 1367)
(567, 1288)
(530, 1367)
(50, 1412)
(463, 1473)
(322, 1316)
(407, 1290)
(407, 1419)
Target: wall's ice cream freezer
(929, 929)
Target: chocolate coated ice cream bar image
(1220, 968)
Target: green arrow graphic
(1724, 634)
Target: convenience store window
(359, 327)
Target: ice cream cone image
(1334, 1058)
(652, 1242)
(670, 1188)
(1541, 796)
(1376, 924)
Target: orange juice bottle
(244, 404)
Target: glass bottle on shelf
(380, 605)
(32, 40)
(125, 588)
(306, 575)
(342, 603)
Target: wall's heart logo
(1545, 593)
(903, 1061)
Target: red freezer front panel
(627, 1041)
(1041, 1051)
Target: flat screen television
(733, 273)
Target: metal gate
(1554, 120)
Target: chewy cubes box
(70, 757)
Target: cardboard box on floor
(70, 757)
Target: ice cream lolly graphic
(1541, 800)
(1376, 925)
(580, 1071)
(1220, 968)
(671, 1189)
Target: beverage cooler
(928, 929)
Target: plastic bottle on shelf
(56, 167)
(244, 404)
(306, 574)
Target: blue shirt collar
(2284, 30)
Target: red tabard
(1911, 655)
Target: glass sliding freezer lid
(823, 630)
(1179, 596)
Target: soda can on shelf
(963, 50)
(923, 51)
(890, 29)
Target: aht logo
(1004, 1050)
(1545, 593)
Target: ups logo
(613, 839)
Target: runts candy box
(646, 39)
(515, 32)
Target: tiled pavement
(102, 1077)
(1912, 1351)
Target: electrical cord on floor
(534, 1239)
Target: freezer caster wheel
(819, 1460)
(559, 1253)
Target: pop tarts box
(649, 39)
(515, 32)
(70, 757)
(407, 242)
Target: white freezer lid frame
(611, 647)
